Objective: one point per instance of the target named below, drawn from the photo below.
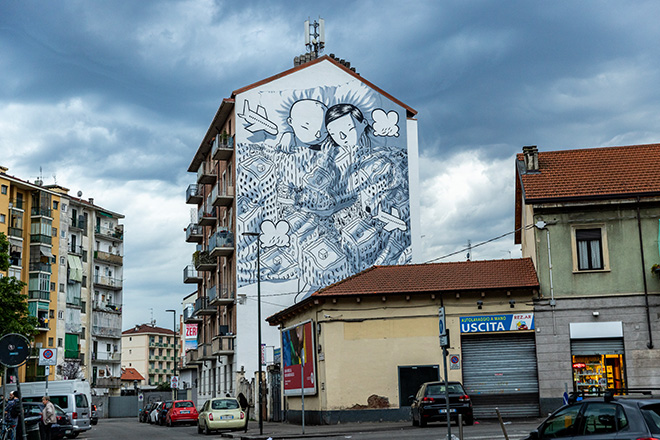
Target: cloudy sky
(113, 98)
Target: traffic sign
(174, 382)
(47, 356)
(14, 349)
(441, 322)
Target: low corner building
(370, 340)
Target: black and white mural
(323, 177)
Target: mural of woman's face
(344, 131)
(306, 119)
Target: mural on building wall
(323, 177)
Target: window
(52, 287)
(82, 333)
(3, 218)
(601, 418)
(83, 304)
(62, 261)
(55, 232)
(50, 342)
(55, 204)
(59, 342)
(62, 287)
(63, 207)
(60, 315)
(84, 280)
(561, 424)
(4, 189)
(51, 314)
(590, 248)
(108, 347)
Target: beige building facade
(150, 350)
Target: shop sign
(497, 323)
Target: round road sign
(14, 349)
(48, 353)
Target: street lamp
(176, 355)
(257, 234)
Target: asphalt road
(116, 429)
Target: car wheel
(207, 431)
(469, 421)
(414, 422)
(199, 427)
(168, 423)
(422, 422)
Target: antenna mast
(315, 36)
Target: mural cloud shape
(275, 234)
(385, 124)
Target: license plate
(226, 417)
(444, 410)
(185, 412)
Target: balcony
(222, 195)
(78, 223)
(42, 326)
(222, 296)
(39, 294)
(191, 357)
(207, 216)
(106, 357)
(76, 250)
(115, 233)
(194, 233)
(202, 307)
(223, 147)
(190, 275)
(42, 212)
(107, 257)
(102, 330)
(16, 204)
(221, 244)
(203, 261)
(108, 282)
(193, 195)
(72, 354)
(108, 382)
(222, 345)
(190, 317)
(15, 232)
(206, 173)
(40, 267)
(74, 301)
(107, 307)
(205, 352)
(41, 238)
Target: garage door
(499, 371)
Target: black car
(162, 413)
(94, 418)
(429, 404)
(603, 418)
(58, 430)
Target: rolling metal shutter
(499, 371)
(587, 347)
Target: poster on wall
(497, 323)
(298, 346)
(323, 178)
(191, 337)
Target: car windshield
(183, 405)
(435, 389)
(225, 404)
(652, 416)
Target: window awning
(45, 251)
(75, 268)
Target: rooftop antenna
(315, 36)
(469, 247)
(40, 179)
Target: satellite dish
(14, 349)
(79, 193)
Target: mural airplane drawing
(258, 120)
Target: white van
(73, 396)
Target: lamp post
(257, 234)
(176, 355)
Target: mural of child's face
(344, 131)
(306, 119)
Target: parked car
(603, 418)
(221, 413)
(430, 405)
(94, 419)
(181, 411)
(143, 414)
(153, 414)
(162, 412)
(59, 430)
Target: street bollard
(499, 416)
(460, 427)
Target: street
(113, 429)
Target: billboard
(191, 337)
(298, 349)
(497, 323)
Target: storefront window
(593, 374)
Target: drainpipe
(542, 225)
(646, 290)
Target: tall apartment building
(151, 351)
(74, 276)
(302, 179)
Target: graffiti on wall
(323, 177)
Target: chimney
(531, 154)
(91, 201)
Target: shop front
(597, 353)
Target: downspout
(542, 225)
(646, 290)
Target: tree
(14, 316)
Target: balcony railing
(223, 295)
(107, 307)
(190, 275)
(41, 238)
(203, 261)
(39, 294)
(189, 316)
(223, 147)
(40, 267)
(204, 351)
(71, 354)
(193, 195)
(107, 257)
(223, 345)
(41, 212)
(194, 233)
(207, 215)
(101, 330)
(76, 249)
(206, 173)
(78, 223)
(75, 301)
(17, 203)
(202, 306)
(108, 382)
(15, 232)
(221, 244)
(223, 195)
(116, 233)
(191, 357)
(108, 282)
(106, 357)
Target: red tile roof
(594, 172)
(131, 374)
(147, 329)
(428, 278)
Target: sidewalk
(288, 430)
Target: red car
(182, 411)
